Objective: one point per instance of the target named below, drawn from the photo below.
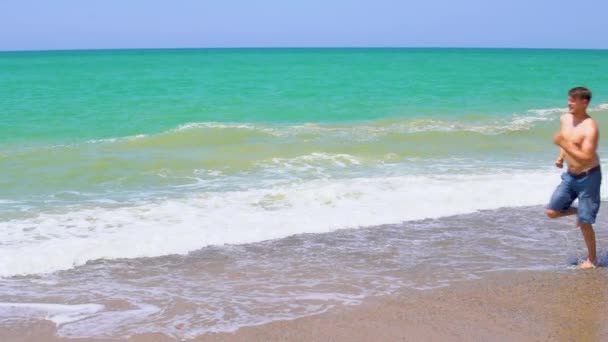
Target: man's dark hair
(580, 93)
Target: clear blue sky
(100, 24)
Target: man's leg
(589, 236)
(555, 213)
(560, 204)
(588, 206)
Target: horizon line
(303, 47)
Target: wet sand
(507, 306)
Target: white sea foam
(79, 320)
(548, 111)
(368, 130)
(109, 323)
(111, 140)
(226, 125)
(57, 313)
(516, 122)
(51, 242)
(562, 110)
(317, 161)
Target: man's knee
(552, 213)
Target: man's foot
(585, 265)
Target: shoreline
(503, 306)
(507, 306)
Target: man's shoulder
(591, 123)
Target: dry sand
(506, 306)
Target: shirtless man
(578, 138)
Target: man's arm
(559, 162)
(586, 152)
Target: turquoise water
(245, 106)
(106, 136)
(58, 97)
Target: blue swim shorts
(585, 187)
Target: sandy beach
(504, 306)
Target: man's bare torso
(577, 130)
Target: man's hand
(558, 139)
(559, 162)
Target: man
(578, 138)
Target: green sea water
(131, 121)
(73, 96)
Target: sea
(193, 191)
